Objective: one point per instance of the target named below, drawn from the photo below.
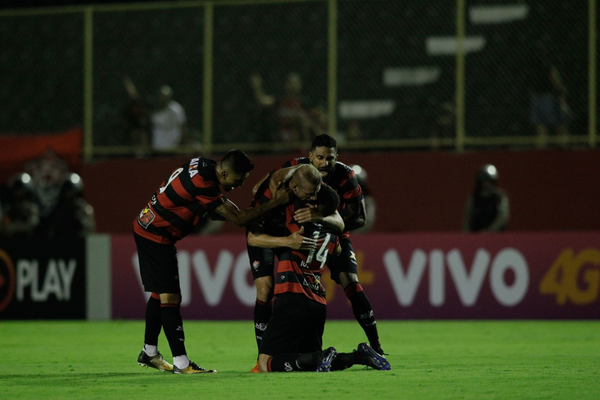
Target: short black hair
(324, 140)
(238, 161)
(327, 200)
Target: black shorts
(296, 326)
(158, 266)
(262, 261)
(345, 262)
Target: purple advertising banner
(405, 276)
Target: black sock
(173, 325)
(363, 312)
(295, 362)
(262, 314)
(153, 324)
(344, 360)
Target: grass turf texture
(430, 360)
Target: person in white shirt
(168, 122)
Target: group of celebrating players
(301, 214)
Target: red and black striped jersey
(299, 271)
(181, 202)
(342, 179)
(273, 223)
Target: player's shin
(363, 312)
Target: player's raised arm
(333, 221)
(230, 212)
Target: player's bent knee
(347, 278)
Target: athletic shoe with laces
(193, 368)
(157, 362)
(255, 369)
(326, 359)
(372, 358)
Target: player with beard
(293, 337)
(190, 193)
(303, 182)
(344, 268)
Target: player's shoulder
(201, 171)
(342, 171)
(343, 167)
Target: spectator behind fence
(487, 208)
(549, 111)
(168, 122)
(163, 128)
(292, 120)
(19, 208)
(137, 120)
(73, 216)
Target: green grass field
(430, 360)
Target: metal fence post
(88, 84)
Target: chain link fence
(41, 80)
(267, 76)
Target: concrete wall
(415, 191)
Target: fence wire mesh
(397, 74)
(41, 81)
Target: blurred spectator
(549, 110)
(73, 216)
(354, 133)
(19, 209)
(164, 127)
(292, 120)
(317, 122)
(370, 204)
(137, 120)
(168, 122)
(487, 208)
(47, 173)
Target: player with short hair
(344, 269)
(191, 192)
(293, 337)
(303, 181)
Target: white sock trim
(150, 350)
(181, 362)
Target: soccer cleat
(380, 350)
(372, 358)
(326, 359)
(193, 368)
(255, 369)
(157, 362)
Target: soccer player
(344, 268)
(190, 193)
(303, 181)
(293, 338)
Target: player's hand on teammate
(308, 214)
(299, 242)
(282, 195)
